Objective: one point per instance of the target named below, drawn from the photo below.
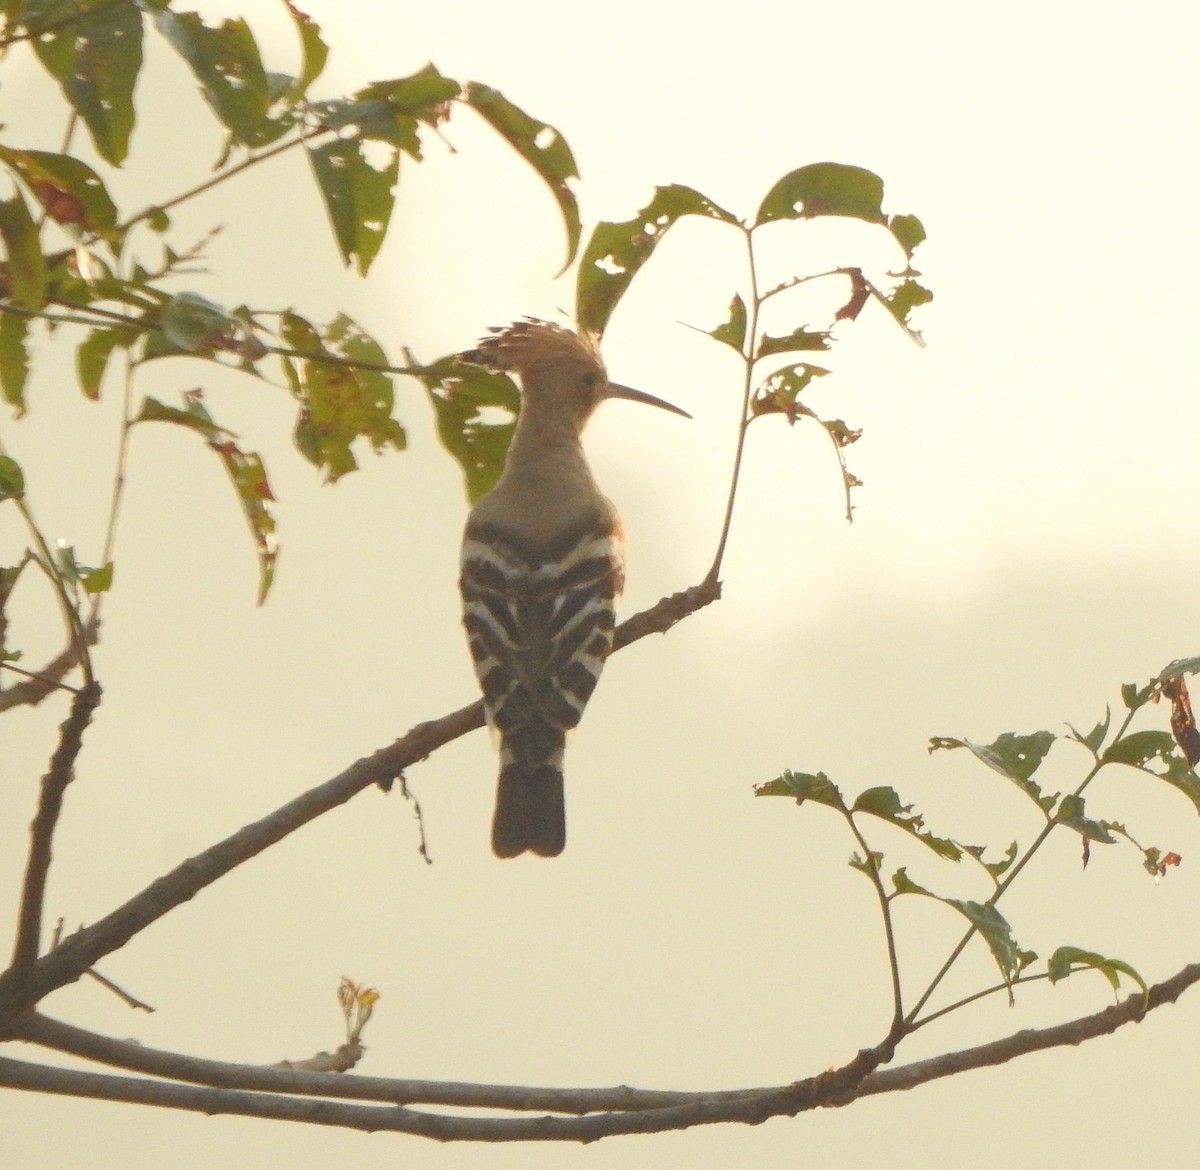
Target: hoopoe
(542, 567)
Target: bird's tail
(530, 812)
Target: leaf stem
(744, 419)
(1002, 886)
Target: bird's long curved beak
(615, 390)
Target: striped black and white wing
(540, 625)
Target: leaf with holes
(540, 145)
(476, 412)
(802, 786)
(339, 401)
(781, 390)
(71, 193)
(616, 251)
(225, 60)
(358, 197)
(825, 188)
(1139, 748)
(96, 59)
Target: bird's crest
(531, 344)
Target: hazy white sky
(1023, 545)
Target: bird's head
(556, 365)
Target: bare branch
(41, 683)
(54, 784)
(1130, 1010)
(254, 1091)
(82, 950)
(702, 1109)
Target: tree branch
(54, 784)
(702, 1109)
(41, 683)
(1130, 1010)
(86, 947)
(253, 1091)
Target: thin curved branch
(68, 961)
(43, 682)
(703, 1109)
(600, 1112)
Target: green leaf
(780, 392)
(97, 580)
(227, 64)
(996, 869)
(193, 323)
(70, 192)
(313, 49)
(996, 932)
(1134, 696)
(616, 251)
(358, 197)
(1015, 757)
(802, 786)
(884, 802)
(339, 403)
(12, 479)
(1178, 667)
(476, 412)
(1066, 960)
(1094, 738)
(1140, 747)
(904, 298)
(245, 470)
(391, 111)
(541, 145)
(96, 60)
(24, 273)
(798, 339)
(91, 358)
(733, 332)
(909, 232)
(827, 188)
(871, 865)
(1071, 813)
(14, 360)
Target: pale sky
(1022, 546)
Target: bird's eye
(591, 380)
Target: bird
(542, 568)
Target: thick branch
(1130, 1010)
(37, 866)
(86, 947)
(603, 1112)
(702, 1109)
